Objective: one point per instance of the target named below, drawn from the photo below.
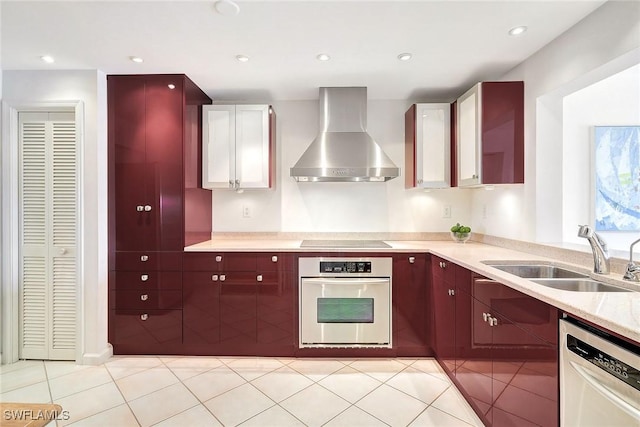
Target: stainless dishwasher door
(599, 380)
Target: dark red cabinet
(155, 207)
(410, 305)
(443, 322)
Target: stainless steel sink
(579, 285)
(539, 271)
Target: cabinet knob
(144, 258)
(214, 278)
(223, 277)
(274, 258)
(259, 278)
(412, 259)
(452, 292)
(147, 208)
(443, 264)
(144, 297)
(140, 208)
(493, 321)
(144, 277)
(486, 316)
(219, 258)
(144, 316)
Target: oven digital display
(345, 310)
(345, 266)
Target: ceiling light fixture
(242, 58)
(323, 57)
(136, 59)
(405, 56)
(227, 7)
(516, 31)
(48, 59)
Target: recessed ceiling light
(171, 86)
(516, 31)
(242, 58)
(323, 57)
(227, 7)
(48, 59)
(405, 56)
(136, 59)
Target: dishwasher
(599, 378)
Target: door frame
(10, 224)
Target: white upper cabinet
(468, 137)
(428, 146)
(238, 146)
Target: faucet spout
(633, 270)
(598, 247)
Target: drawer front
(139, 261)
(142, 329)
(145, 299)
(151, 280)
(220, 261)
(443, 270)
(274, 262)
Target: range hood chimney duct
(343, 151)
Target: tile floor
(214, 391)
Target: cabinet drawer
(274, 262)
(145, 299)
(443, 270)
(138, 261)
(142, 329)
(151, 280)
(213, 261)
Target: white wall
(31, 87)
(605, 42)
(338, 207)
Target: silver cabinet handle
(144, 316)
(214, 278)
(412, 259)
(147, 208)
(274, 258)
(486, 316)
(219, 258)
(223, 277)
(230, 184)
(493, 321)
(443, 264)
(144, 297)
(144, 277)
(452, 292)
(259, 278)
(144, 258)
(140, 208)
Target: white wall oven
(345, 302)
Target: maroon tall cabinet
(156, 206)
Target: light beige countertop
(616, 311)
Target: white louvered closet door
(48, 233)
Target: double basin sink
(556, 277)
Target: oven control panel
(345, 267)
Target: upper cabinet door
(219, 146)
(252, 146)
(469, 143)
(432, 146)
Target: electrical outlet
(246, 211)
(446, 211)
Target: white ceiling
(454, 43)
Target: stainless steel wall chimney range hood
(343, 151)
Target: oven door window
(345, 310)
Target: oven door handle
(343, 281)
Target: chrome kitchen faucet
(598, 247)
(633, 270)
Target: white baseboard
(97, 358)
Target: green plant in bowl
(460, 233)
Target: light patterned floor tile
(316, 369)
(315, 405)
(355, 417)
(120, 416)
(350, 384)
(195, 362)
(89, 402)
(20, 364)
(145, 382)
(59, 368)
(18, 378)
(134, 361)
(213, 383)
(78, 381)
(391, 406)
(435, 417)
(272, 417)
(34, 393)
(452, 402)
(380, 369)
(281, 383)
(162, 404)
(198, 416)
(418, 384)
(252, 368)
(238, 405)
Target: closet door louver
(48, 233)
